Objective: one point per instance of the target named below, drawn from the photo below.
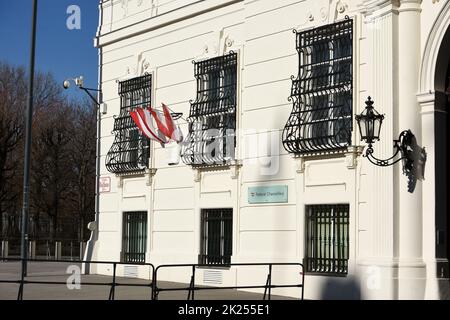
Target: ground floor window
(327, 239)
(134, 242)
(216, 236)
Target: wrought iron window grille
(130, 151)
(134, 242)
(212, 120)
(327, 239)
(216, 236)
(321, 118)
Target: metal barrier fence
(69, 249)
(192, 288)
(153, 284)
(22, 281)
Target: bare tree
(12, 101)
(63, 152)
(82, 158)
(51, 168)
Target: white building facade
(280, 81)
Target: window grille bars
(212, 120)
(321, 118)
(216, 236)
(327, 239)
(134, 245)
(130, 151)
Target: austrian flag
(165, 128)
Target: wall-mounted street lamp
(79, 82)
(369, 123)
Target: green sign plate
(268, 194)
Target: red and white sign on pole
(105, 184)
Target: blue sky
(63, 52)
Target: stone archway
(433, 84)
(442, 140)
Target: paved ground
(43, 271)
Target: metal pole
(28, 122)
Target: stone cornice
(368, 7)
(195, 9)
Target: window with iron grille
(130, 151)
(216, 236)
(327, 239)
(212, 119)
(134, 242)
(321, 118)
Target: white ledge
(152, 23)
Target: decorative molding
(300, 164)
(426, 98)
(327, 11)
(341, 7)
(219, 45)
(150, 23)
(119, 180)
(382, 7)
(126, 6)
(150, 173)
(197, 175)
(141, 66)
(351, 156)
(154, 5)
(233, 167)
(432, 46)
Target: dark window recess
(216, 236)
(212, 119)
(134, 245)
(321, 118)
(327, 239)
(130, 151)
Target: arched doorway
(442, 106)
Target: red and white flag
(166, 124)
(165, 129)
(143, 119)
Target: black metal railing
(267, 286)
(23, 281)
(65, 249)
(321, 118)
(155, 289)
(327, 235)
(44, 228)
(130, 151)
(212, 119)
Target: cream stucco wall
(391, 244)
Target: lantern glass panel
(377, 127)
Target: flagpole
(28, 122)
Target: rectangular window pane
(327, 239)
(134, 242)
(216, 236)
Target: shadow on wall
(417, 170)
(347, 288)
